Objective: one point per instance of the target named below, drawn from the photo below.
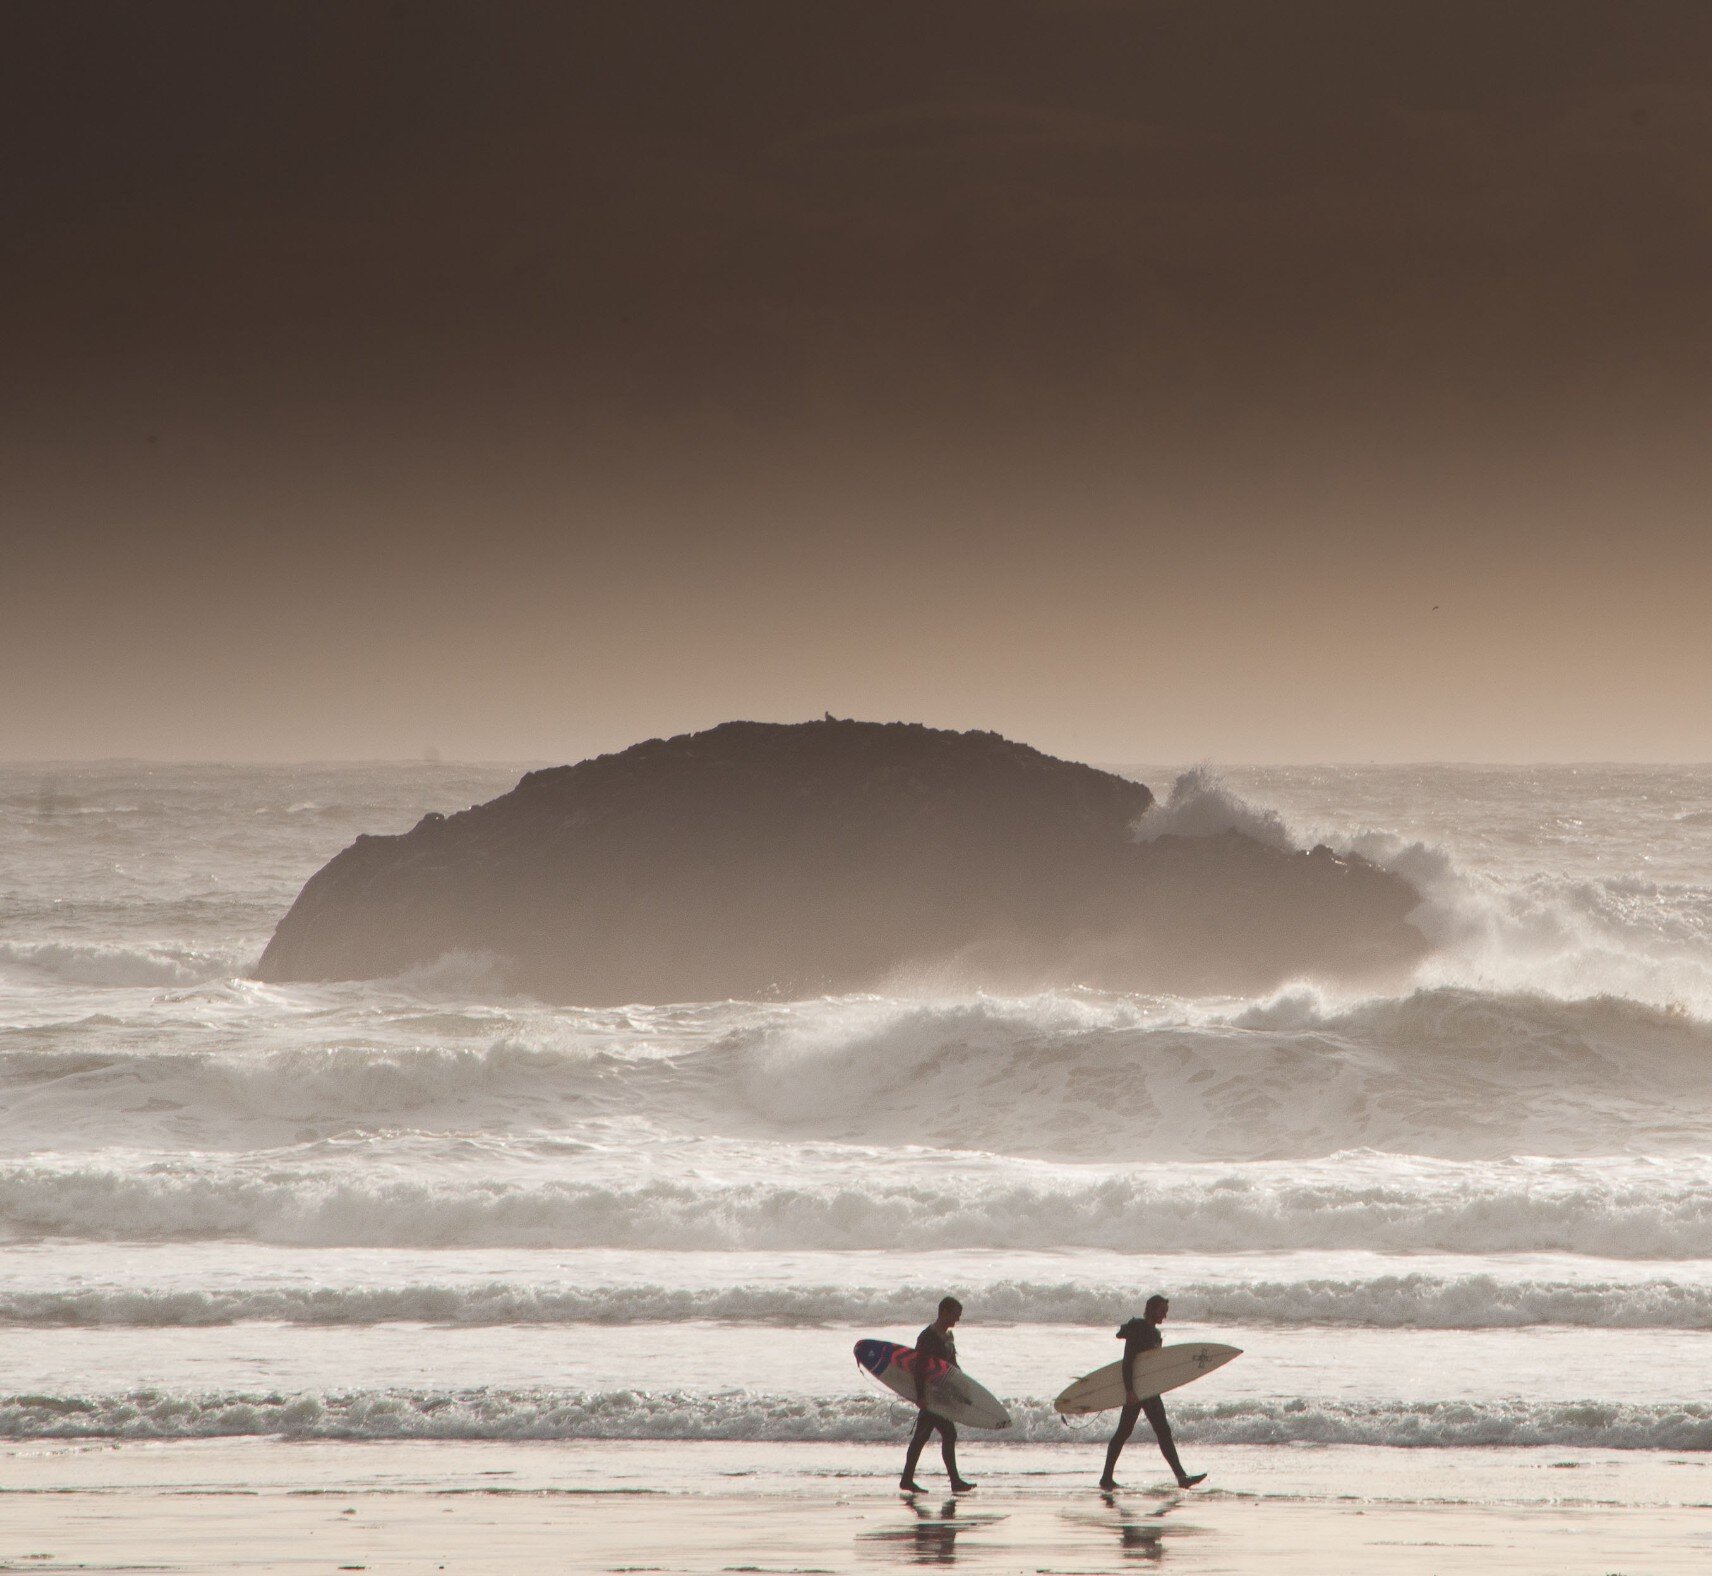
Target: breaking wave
(1469, 1302)
(1612, 1209)
(1457, 1074)
(1449, 1072)
(91, 963)
(741, 1415)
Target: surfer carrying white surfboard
(935, 1341)
(1142, 1335)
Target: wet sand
(268, 1505)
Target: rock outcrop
(761, 859)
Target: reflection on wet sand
(931, 1537)
(1139, 1525)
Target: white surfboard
(1164, 1368)
(950, 1391)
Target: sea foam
(1418, 1302)
(1606, 1208)
(743, 1415)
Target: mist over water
(204, 1150)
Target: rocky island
(760, 860)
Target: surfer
(935, 1341)
(1142, 1335)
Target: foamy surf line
(115, 965)
(1472, 1302)
(1600, 1208)
(684, 1415)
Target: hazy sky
(1252, 381)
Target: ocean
(1470, 1216)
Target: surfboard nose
(873, 1355)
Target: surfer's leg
(1126, 1426)
(1155, 1409)
(924, 1425)
(948, 1454)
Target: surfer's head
(950, 1311)
(1156, 1309)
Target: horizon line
(534, 763)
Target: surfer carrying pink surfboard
(935, 1341)
(1142, 1335)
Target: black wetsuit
(931, 1343)
(1139, 1336)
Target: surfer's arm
(923, 1355)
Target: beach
(265, 1505)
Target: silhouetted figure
(1142, 1335)
(935, 1341)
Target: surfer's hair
(949, 1305)
(1155, 1304)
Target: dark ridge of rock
(764, 859)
